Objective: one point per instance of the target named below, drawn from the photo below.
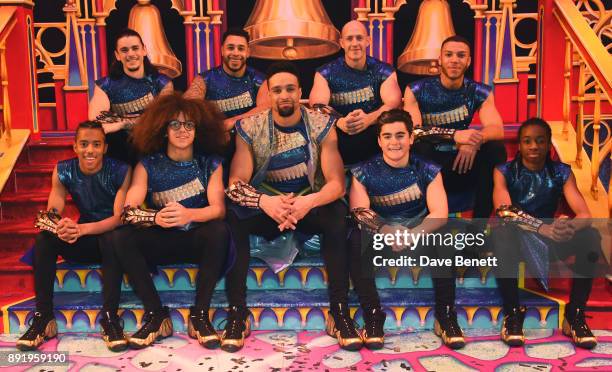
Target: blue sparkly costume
(396, 192)
(353, 89)
(232, 95)
(131, 96)
(288, 170)
(536, 192)
(94, 195)
(183, 182)
(449, 108)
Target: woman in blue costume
(399, 192)
(182, 185)
(534, 184)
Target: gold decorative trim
(406, 195)
(186, 191)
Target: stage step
(16, 237)
(29, 178)
(22, 206)
(305, 273)
(48, 151)
(478, 308)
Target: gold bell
(146, 20)
(434, 24)
(291, 29)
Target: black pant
(479, 178)
(87, 249)
(328, 220)
(363, 277)
(205, 245)
(585, 246)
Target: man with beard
(360, 88)
(235, 88)
(449, 101)
(121, 97)
(287, 174)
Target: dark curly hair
(149, 134)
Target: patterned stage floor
(314, 351)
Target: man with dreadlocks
(122, 96)
(526, 190)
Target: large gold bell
(434, 24)
(291, 29)
(146, 20)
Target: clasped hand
(173, 215)
(353, 123)
(561, 230)
(68, 230)
(286, 210)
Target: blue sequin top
(131, 96)
(396, 192)
(449, 108)
(232, 95)
(353, 89)
(287, 171)
(94, 195)
(178, 181)
(536, 192)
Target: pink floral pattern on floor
(315, 351)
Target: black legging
(328, 220)
(585, 246)
(86, 249)
(479, 178)
(205, 245)
(363, 277)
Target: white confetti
(485, 350)
(553, 350)
(342, 359)
(409, 342)
(524, 367)
(444, 363)
(84, 345)
(395, 365)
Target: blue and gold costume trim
(232, 95)
(450, 108)
(131, 96)
(184, 182)
(396, 192)
(355, 89)
(536, 192)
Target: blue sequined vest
(178, 181)
(131, 96)
(94, 195)
(536, 192)
(232, 95)
(449, 108)
(353, 89)
(396, 192)
(288, 168)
